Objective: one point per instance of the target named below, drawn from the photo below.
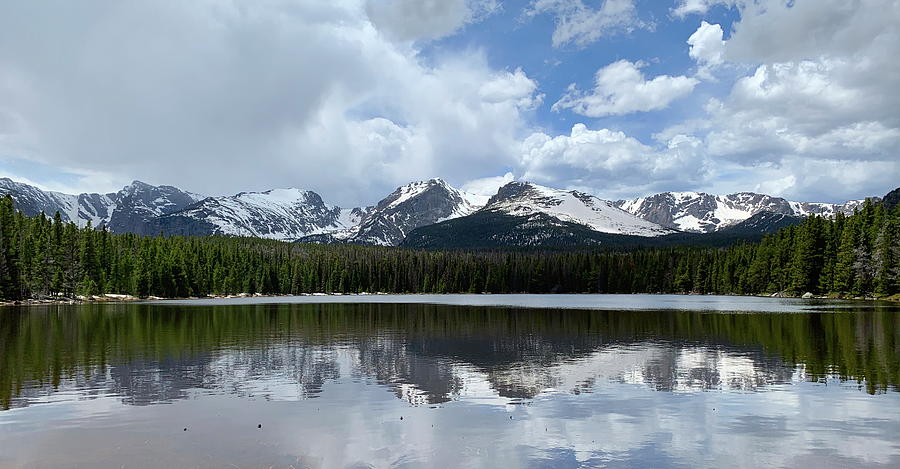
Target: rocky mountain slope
(704, 213)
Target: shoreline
(120, 298)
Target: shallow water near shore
(452, 381)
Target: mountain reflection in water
(285, 385)
(429, 354)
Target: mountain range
(427, 214)
(704, 213)
(134, 209)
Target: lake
(493, 381)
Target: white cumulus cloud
(621, 88)
(707, 48)
(819, 99)
(610, 162)
(513, 87)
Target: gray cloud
(223, 96)
(219, 96)
(612, 163)
(426, 19)
(579, 24)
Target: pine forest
(41, 258)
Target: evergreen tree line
(43, 257)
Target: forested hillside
(44, 257)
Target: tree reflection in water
(429, 354)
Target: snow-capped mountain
(283, 214)
(409, 207)
(132, 209)
(703, 213)
(525, 199)
(521, 213)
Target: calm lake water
(498, 381)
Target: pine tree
(846, 257)
(885, 259)
(10, 282)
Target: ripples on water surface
(648, 382)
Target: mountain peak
(512, 190)
(412, 190)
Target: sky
(352, 98)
